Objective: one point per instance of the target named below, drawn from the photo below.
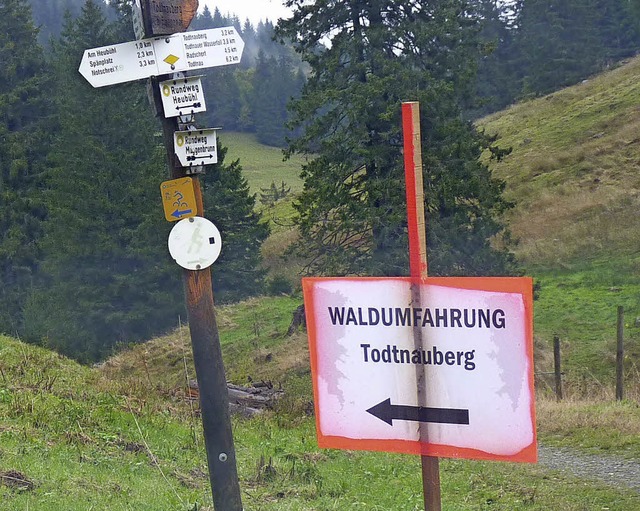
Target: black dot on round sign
(212, 241)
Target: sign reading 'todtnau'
(134, 60)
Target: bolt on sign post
(447, 361)
(194, 242)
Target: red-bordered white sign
(473, 367)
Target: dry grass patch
(621, 417)
(597, 421)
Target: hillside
(125, 436)
(574, 175)
(574, 171)
(261, 164)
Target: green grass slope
(261, 164)
(122, 436)
(575, 173)
(72, 440)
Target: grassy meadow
(262, 165)
(124, 436)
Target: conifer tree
(352, 214)
(106, 277)
(24, 108)
(274, 83)
(231, 207)
(499, 80)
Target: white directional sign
(196, 147)
(138, 21)
(464, 389)
(134, 60)
(183, 96)
(195, 243)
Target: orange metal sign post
(448, 361)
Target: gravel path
(612, 470)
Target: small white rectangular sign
(134, 60)
(138, 22)
(182, 96)
(197, 147)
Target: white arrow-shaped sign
(134, 60)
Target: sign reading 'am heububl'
(465, 390)
(134, 60)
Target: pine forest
(83, 260)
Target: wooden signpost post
(175, 99)
(448, 361)
(418, 268)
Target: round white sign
(195, 243)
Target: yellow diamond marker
(171, 59)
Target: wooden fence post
(556, 367)
(620, 355)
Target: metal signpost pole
(418, 266)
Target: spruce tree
(274, 83)
(499, 80)
(223, 97)
(106, 277)
(352, 214)
(618, 31)
(237, 274)
(24, 108)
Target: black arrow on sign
(387, 412)
(194, 158)
(194, 105)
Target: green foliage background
(82, 263)
(85, 265)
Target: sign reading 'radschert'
(134, 60)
